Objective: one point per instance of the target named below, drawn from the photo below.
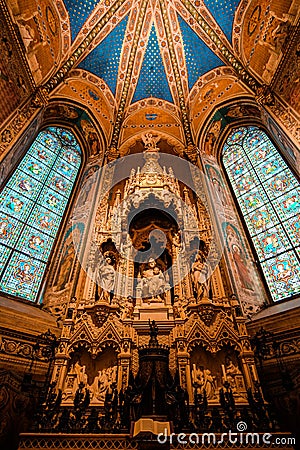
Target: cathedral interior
(149, 221)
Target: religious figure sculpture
(203, 380)
(127, 309)
(150, 142)
(201, 273)
(106, 278)
(176, 238)
(153, 282)
(231, 372)
(75, 377)
(179, 311)
(103, 383)
(153, 332)
(80, 372)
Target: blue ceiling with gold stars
(152, 80)
(223, 11)
(199, 58)
(79, 11)
(104, 60)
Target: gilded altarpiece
(151, 254)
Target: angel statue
(150, 142)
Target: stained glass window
(269, 197)
(32, 205)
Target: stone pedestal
(154, 311)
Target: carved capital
(40, 98)
(112, 153)
(264, 96)
(192, 152)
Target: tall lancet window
(268, 195)
(32, 205)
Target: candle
(254, 373)
(224, 372)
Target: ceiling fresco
(79, 11)
(168, 60)
(152, 80)
(104, 60)
(223, 11)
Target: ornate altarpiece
(150, 252)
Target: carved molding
(21, 349)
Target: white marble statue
(106, 278)
(204, 380)
(153, 283)
(102, 383)
(201, 273)
(232, 374)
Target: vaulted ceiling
(159, 63)
(159, 41)
(146, 49)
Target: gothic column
(183, 361)
(124, 357)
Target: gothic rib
(160, 23)
(77, 54)
(130, 66)
(227, 53)
(137, 63)
(182, 101)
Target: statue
(76, 377)
(127, 309)
(209, 383)
(204, 382)
(153, 331)
(176, 238)
(178, 308)
(103, 383)
(80, 372)
(201, 272)
(150, 142)
(230, 372)
(106, 278)
(197, 377)
(153, 283)
(77, 383)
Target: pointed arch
(268, 195)
(32, 205)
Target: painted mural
(14, 81)
(68, 256)
(223, 117)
